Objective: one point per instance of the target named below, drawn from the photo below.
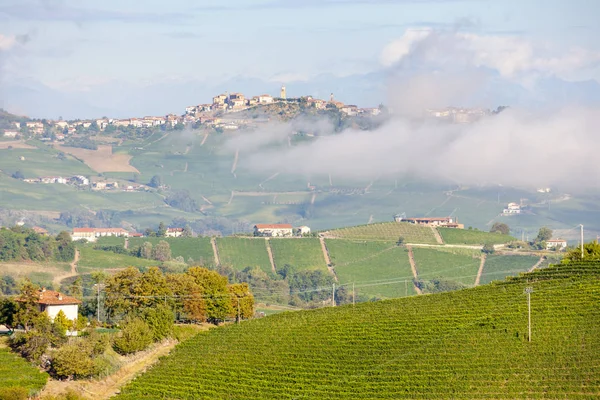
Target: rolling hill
(472, 343)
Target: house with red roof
(273, 230)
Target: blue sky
(73, 46)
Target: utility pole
(352, 293)
(529, 290)
(581, 241)
(333, 295)
(98, 299)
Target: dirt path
(313, 198)
(437, 235)
(204, 139)
(327, 258)
(235, 161)
(213, 243)
(270, 252)
(413, 267)
(480, 271)
(537, 264)
(57, 279)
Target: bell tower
(282, 93)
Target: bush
(160, 321)
(70, 394)
(488, 248)
(14, 393)
(71, 361)
(135, 336)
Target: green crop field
(468, 344)
(302, 253)
(456, 266)
(98, 259)
(388, 231)
(466, 236)
(498, 267)
(241, 253)
(378, 269)
(198, 249)
(15, 371)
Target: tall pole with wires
(581, 226)
(528, 291)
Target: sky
(77, 56)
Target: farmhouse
(174, 232)
(51, 303)
(91, 234)
(272, 230)
(512, 208)
(40, 230)
(446, 222)
(303, 230)
(10, 133)
(556, 244)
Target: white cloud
(511, 56)
(7, 42)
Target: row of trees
(23, 244)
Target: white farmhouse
(174, 232)
(51, 303)
(556, 244)
(303, 230)
(272, 230)
(512, 208)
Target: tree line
(24, 244)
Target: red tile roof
(273, 226)
(174, 229)
(83, 230)
(50, 297)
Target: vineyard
(380, 268)
(241, 253)
(499, 267)
(98, 259)
(302, 253)
(387, 231)
(198, 249)
(466, 344)
(466, 236)
(457, 266)
(15, 371)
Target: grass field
(443, 264)
(466, 236)
(376, 268)
(198, 249)
(98, 259)
(468, 344)
(498, 267)
(15, 371)
(302, 253)
(387, 231)
(241, 253)
(39, 273)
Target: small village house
(445, 222)
(273, 230)
(40, 230)
(512, 208)
(92, 234)
(174, 232)
(10, 133)
(558, 244)
(51, 303)
(303, 230)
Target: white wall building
(51, 303)
(556, 244)
(273, 230)
(512, 208)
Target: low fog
(517, 147)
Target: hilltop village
(224, 113)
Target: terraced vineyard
(98, 259)
(387, 231)
(499, 267)
(381, 269)
(467, 344)
(302, 253)
(465, 236)
(459, 266)
(241, 253)
(15, 371)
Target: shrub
(135, 336)
(160, 321)
(14, 393)
(71, 361)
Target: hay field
(103, 159)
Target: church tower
(331, 98)
(282, 94)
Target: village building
(174, 232)
(303, 230)
(446, 222)
(512, 208)
(40, 230)
(349, 110)
(220, 99)
(558, 244)
(92, 234)
(10, 133)
(273, 230)
(51, 303)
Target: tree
(28, 305)
(18, 175)
(242, 300)
(500, 228)
(162, 251)
(70, 361)
(187, 231)
(76, 288)
(61, 323)
(146, 250)
(155, 181)
(591, 252)
(215, 293)
(544, 234)
(136, 335)
(8, 312)
(400, 241)
(160, 320)
(65, 246)
(188, 296)
(162, 230)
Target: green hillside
(467, 344)
(15, 371)
(499, 267)
(387, 231)
(466, 236)
(381, 269)
(456, 265)
(241, 253)
(98, 259)
(305, 253)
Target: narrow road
(213, 243)
(327, 258)
(270, 253)
(537, 264)
(204, 139)
(480, 271)
(235, 161)
(437, 235)
(413, 267)
(57, 279)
